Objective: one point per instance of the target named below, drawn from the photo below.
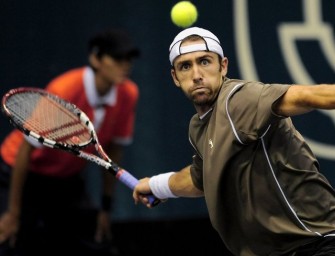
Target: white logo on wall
(311, 27)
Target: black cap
(115, 43)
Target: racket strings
(49, 117)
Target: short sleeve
(250, 108)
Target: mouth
(199, 89)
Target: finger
(136, 197)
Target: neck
(201, 110)
(102, 86)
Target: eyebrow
(205, 55)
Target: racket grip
(130, 181)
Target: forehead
(193, 56)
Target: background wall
(272, 41)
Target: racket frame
(77, 149)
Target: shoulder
(250, 88)
(69, 76)
(243, 96)
(245, 84)
(67, 82)
(129, 89)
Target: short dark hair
(114, 42)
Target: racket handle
(130, 181)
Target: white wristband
(159, 186)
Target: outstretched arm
(300, 99)
(9, 221)
(163, 186)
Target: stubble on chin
(202, 99)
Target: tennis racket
(56, 123)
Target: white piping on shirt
(189, 138)
(281, 190)
(236, 87)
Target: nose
(197, 75)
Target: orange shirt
(77, 86)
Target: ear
(94, 60)
(224, 66)
(174, 76)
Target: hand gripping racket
(56, 123)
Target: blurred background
(271, 41)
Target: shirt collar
(92, 94)
(204, 115)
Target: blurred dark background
(271, 41)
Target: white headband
(212, 43)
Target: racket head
(47, 118)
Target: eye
(204, 62)
(185, 66)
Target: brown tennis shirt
(263, 189)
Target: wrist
(159, 186)
(106, 203)
(13, 211)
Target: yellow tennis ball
(184, 14)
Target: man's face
(199, 74)
(109, 71)
(114, 70)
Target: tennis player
(261, 181)
(46, 192)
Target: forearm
(322, 96)
(18, 178)
(174, 184)
(166, 185)
(300, 99)
(181, 184)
